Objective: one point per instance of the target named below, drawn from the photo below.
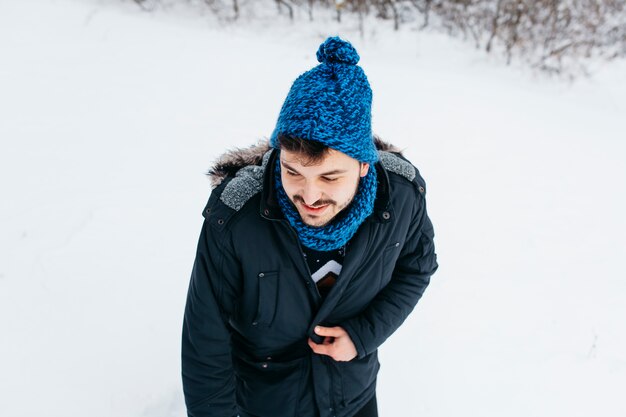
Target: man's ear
(364, 169)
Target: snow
(109, 116)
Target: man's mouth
(314, 209)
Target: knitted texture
(331, 104)
(339, 231)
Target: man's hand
(337, 344)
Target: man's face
(321, 191)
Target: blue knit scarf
(341, 229)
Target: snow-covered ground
(109, 116)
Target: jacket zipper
(331, 386)
(309, 277)
(325, 359)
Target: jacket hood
(233, 160)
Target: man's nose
(311, 194)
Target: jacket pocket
(388, 262)
(268, 297)
(270, 388)
(391, 252)
(358, 377)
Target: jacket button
(269, 358)
(386, 215)
(254, 323)
(264, 365)
(220, 221)
(261, 275)
(266, 212)
(421, 189)
(397, 244)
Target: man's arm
(411, 275)
(207, 370)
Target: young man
(314, 249)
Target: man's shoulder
(237, 174)
(237, 177)
(401, 170)
(232, 201)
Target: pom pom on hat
(331, 104)
(337, 50)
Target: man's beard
(341, 210)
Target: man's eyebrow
(333, 172)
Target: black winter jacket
(252, 303)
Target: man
(314, 249)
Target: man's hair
(311, 151)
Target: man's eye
(293, 174)
(329, 179)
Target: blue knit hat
(331, 104)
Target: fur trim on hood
(233, 160)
